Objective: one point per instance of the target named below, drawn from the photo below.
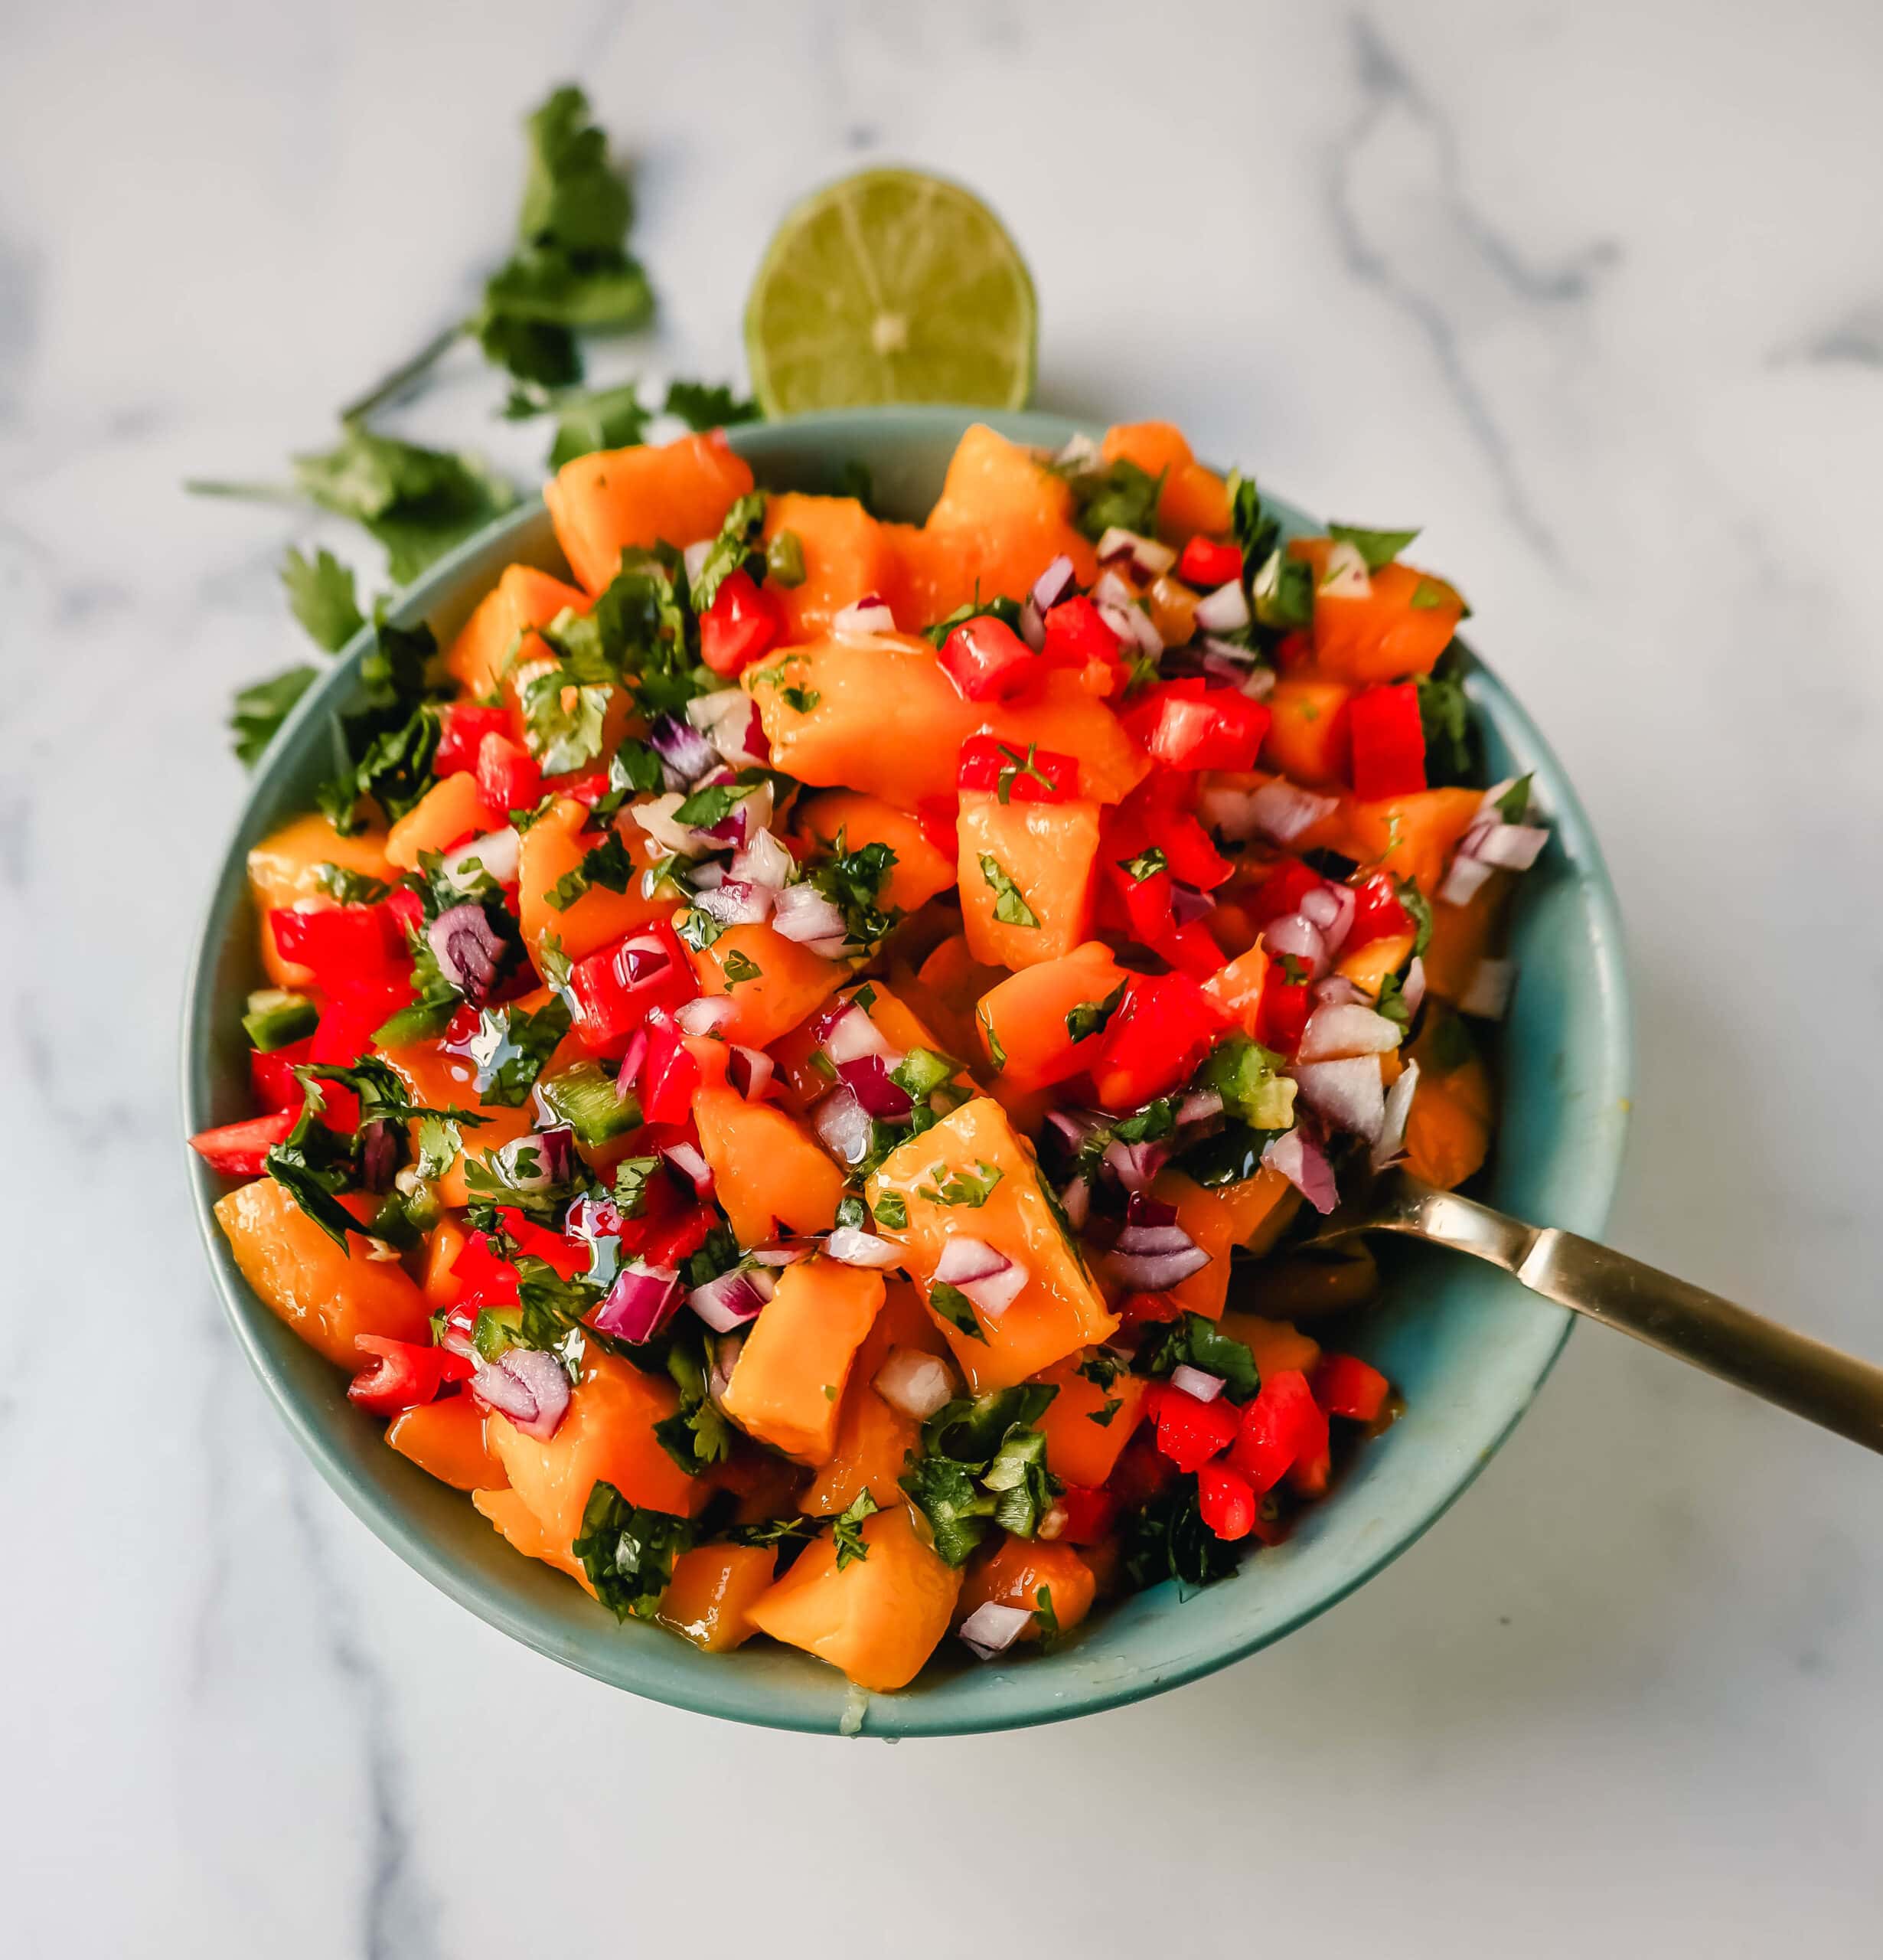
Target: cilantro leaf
(983, 1460)
(629, 1551)
(956, 1308)
(1167, 1538)
(259, 710)
(562, 719)
(1377, 547)
(586, 419)
(513, 1047)
(1147, 864)
(1009, 905)
(961, 1186)
(1418, 908)
(1118, 495)
(737, 543)
(738, 967)
(321, 595)
(607, 864)
(1250, 524)
(1089, 1017)
(1194, 1342)
(1000, 607)
(853, 880)
(1282, 593)
(891, 1211)
(703, 406)
(997, 1054)
(1445, 719)
(848, 1527)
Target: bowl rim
(907, 1712)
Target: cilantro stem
(250, 493)
(402, 378)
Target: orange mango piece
(948, 984)
(1060, 713)
(284, 869)
(1193, 499)
(521, 600)
(1309, 735)
(1213, 1221)
(1411, 836)
(1447, 1128)
(606, 503)
(325, 1294)
(1278, 1345)
(1237, 987)
(439, 1081)
(1023, 1018)
(714, 1588)
(1368, 968)
(847, 555)
(880, 1618)
(526, 1532)
(791, 981)
(768, 1172)
(787, 1384)
(606, 1437)
(448, 813)
(1464, 934)
(920, 869)
(1399, 625)
(1047, 851)
(1060, 1311)
(445, 1439)
(1083, 1442)
(441, 1285)
(872, 1442)
(552, 847)
(1017, 1571)
(1258, 1208)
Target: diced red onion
(1198, 1382)
(378, 1154)
(867, 1078)
(1153, 1272)
(1142, 1209)
(1259, 683)
(707, 876)
(632, 1061)
(706, 1013)
(725, 1353)
(639, 1304)
(991, 1629)
(1150, 557)
(786, 1252)
(1392, 1126)
(467, 949)
(1201, 1105)
(1346, 576)
(1293, 935)
(1161, 1236)
(1032, 628)
(1134, 1165)
(1329, 908)
(988, 1277)
(1282, 811)
(804, 915)
(692, 1166)
(849, 1032)
(497, 854)
(1188, 904)
(1487, 994)
(1076, 1202)
(1412, 992)
(729, 719)
(657, 818)
(914, 1383)
(734, 902)
(762, 860)
(694, 558)
(1133, 623)
(1225, 610)
(843, 1125)
(850, 1246)
(870, 614)
(732, 1298)
(1053, 583)
(1071, 1128)
(1108, 590)
(529, 1386)
(1333, 1032)
(1348, 1095)
(1301, 1160)
(1078, 452)
(554, 1150)
(1462, 880)
(1510, 847)
(592, 1217)
(750, 1071)
(637, 961)
(685, 753)
(1337, 991)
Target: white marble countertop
(1596, 292)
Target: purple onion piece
(685, 753)
(379, 1154)
(639, 1304)
(467, 950)
(867, 1078)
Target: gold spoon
(1835, 1390)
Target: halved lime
(891, 286)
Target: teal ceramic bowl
(1468, 1346)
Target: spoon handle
(1818, 1383)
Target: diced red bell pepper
(1187, 725)
(1090, 1514)
(1226, 1501)
(1344, 1385)
(679, 1238)
(1282, 891)
(986, 660)
(1163, 1027)
(1205, 562)
(1282, 1426)
(1282, 1012)
(1148, 1309)
(405, 1374)
(1145, 902)
(272, 1076)
(563, 1256)
(462, 727)
(668, 1077)
(1190, 948)
(939, 817)
(611, 993)
(406, 909)
(986, 759)
(240, 1150)
(744, 622)
(485, 1280)
(588, 789)
(1377, 914)
(1078, 636)
(1388, 742)
(1141, 1471)
(1191, 1431)
(347, 947)
(509, 777)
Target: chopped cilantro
(1090, 1017)
(853, 880)
(956, 1308)
(259, 710)
(736, 548)
(699, 929)
(997, 1054)
(627, 1551)
(737, 967)
(1009, 905)
(1445, 719)
(1146, 865)
(320, 595)
(890, 1210)
(631, 1183)
(1167, 1538)
(1118, 495)
(608, 865)
(1418, 909)
(847, 1527)
(1377, 547)
(1283, 592)
(960, 1186)
(1000, 607)
(1194, 1342)
(703, 406)
(562, 719)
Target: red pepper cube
(1377, 914)
(1344, 1385)
(1163, 1029)
(272, 1076)
(612, 992)
(1077, 635)
(1145, 902)
(1090, 1514)
(240, 1150)
(1206, 562)
(669, 1075)
(462, 728)
(986, 759)
(346, 948)
(1282, 891)
(405, 1374)
(1190, 1432)
(1281, 1014)
(485, 1280)
(1283, 1426)
(986, 660)
(1388, 742)
(1141, 1473)
(1188, 726)
(509, 777)
(744, 622)
(1190, 948)
(1226, 1501)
